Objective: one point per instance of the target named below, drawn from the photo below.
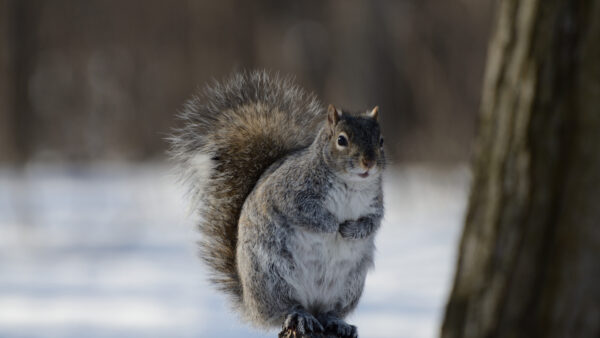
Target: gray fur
(221, 155)
(288, 214)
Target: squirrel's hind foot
(337, 326)
(302, 322)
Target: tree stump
(294, 334)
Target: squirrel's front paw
(354, 229)
(302, 322)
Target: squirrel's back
(232, 133)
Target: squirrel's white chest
(350, 201)
(325, 266)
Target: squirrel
(289, 197)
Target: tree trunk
(529, 258)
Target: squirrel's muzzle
(367, 163)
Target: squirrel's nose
(367, 163)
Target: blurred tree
(529, 256)
(16, 50)
(7, 146)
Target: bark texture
(529, 258)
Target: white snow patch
(108, 251)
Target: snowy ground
(109, 252)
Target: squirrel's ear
(333, 115)
(374, 113)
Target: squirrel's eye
(381, 142)
(342, 141)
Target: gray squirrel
(289, 195)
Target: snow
(109, 251)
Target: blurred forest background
(108, 251)
(102, 80)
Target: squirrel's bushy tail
(232, 133)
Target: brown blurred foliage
(102, 80)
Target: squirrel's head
(354, 144)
